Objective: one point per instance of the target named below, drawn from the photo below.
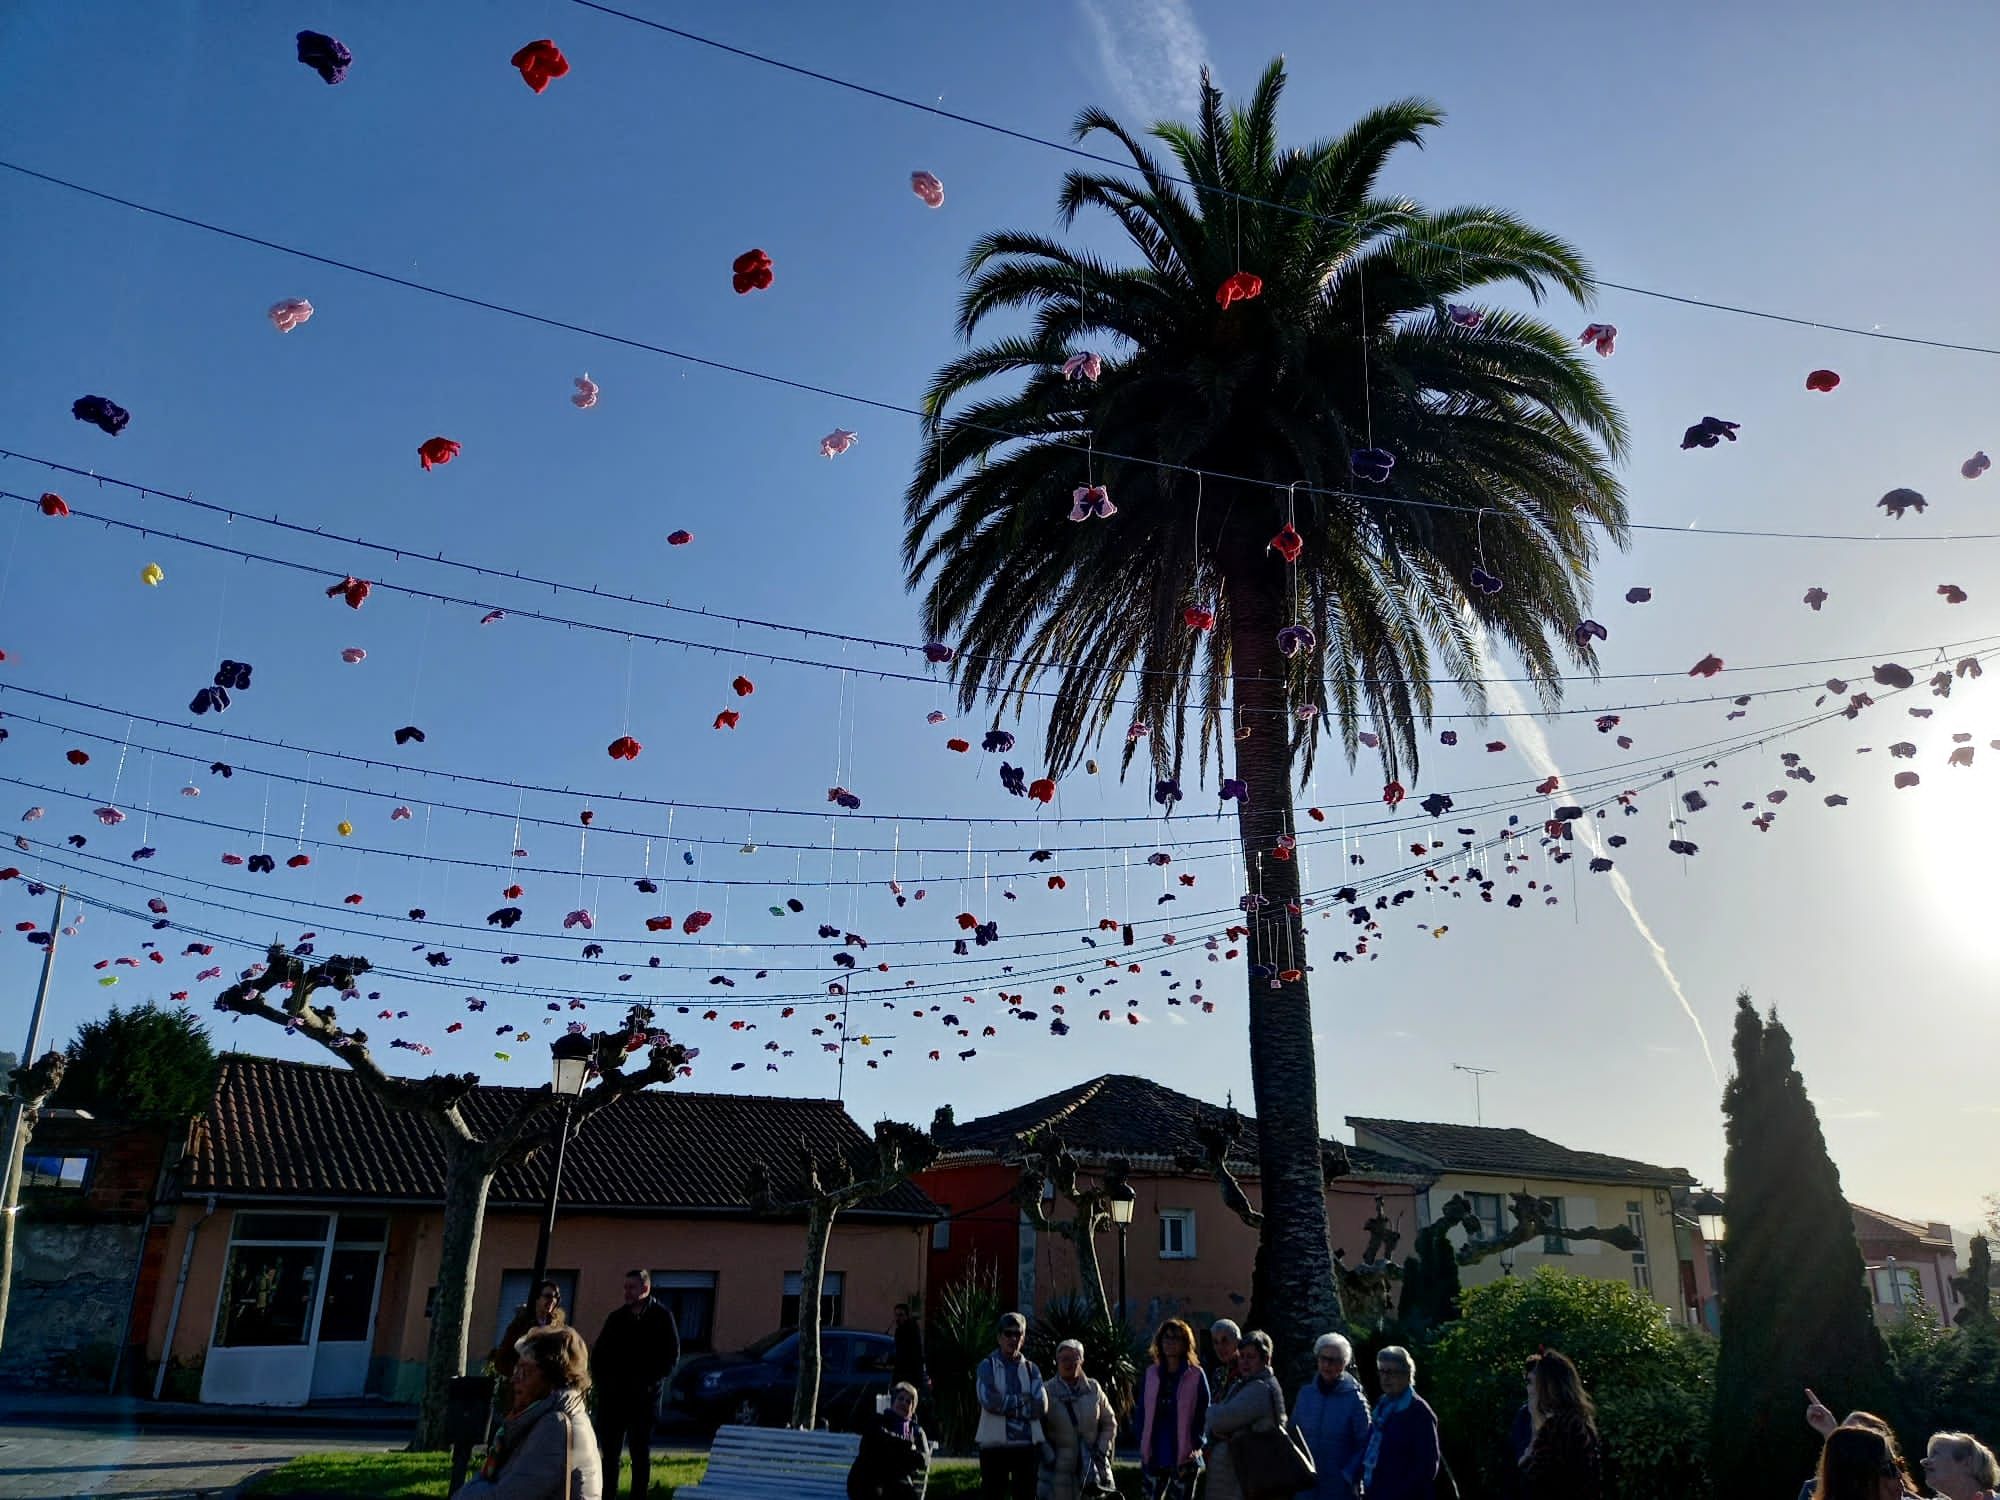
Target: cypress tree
(1796, 1310)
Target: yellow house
(1487, 1165)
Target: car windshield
(774, 1346)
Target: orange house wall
(882, 1265)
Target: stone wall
(72, 1285)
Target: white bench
(777, 1463)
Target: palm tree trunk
(1293, 1297)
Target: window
(1635, 1220)
(272, 1281)
(831, 1300)
(941, 1235)
(690, 1297)
(1555, 1244)
(1888, 1293)
(348, 1307)
(64, 1171)
(1176, 1234)
(514, 1292)
(1487, 1206)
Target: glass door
(346, 1337)
(261, 1351)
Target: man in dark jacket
(909, 1365)
(639, 1347)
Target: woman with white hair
(1225, 1338)
(1080, 1430)
(1960, 1467)
(1332, 1414)
(1255, 1403)
(1402, 1456)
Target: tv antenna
(1478, 1110)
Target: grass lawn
(422, 1476)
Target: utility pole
(1478, 1108)
(18, 1121)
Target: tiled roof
(1118, 1114)
(1510, 1153)
(1874, 1224)
(300, 1130)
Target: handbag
(1273, 1465)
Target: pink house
(1187, 1254)
(1907, 1261)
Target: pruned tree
(1365, 1288)
(823, 1190)
(1048, 1162)
(32, 1086)
(1533, 1219)
(281, 991)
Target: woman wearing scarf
(544, 1311)
(545, 1450)
(1255, 1403)
(895, 1456)
(1080, 1429)
(1012, 1404)
(1401, 1460)
(1173, 1410)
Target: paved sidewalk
(72, 1409)
(49, 1462)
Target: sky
(1822, 162)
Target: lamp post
(571, 1055)
(1121, 1200)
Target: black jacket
(635, 1351)
(889, 1467)
(909, 1363)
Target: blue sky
(1822, 161)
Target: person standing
(1960, 1467)
(910, 1366)
(1225, 1338)
(1564, 1460)
(1173, 1412)
(1857, 1463)
(1520, 1432)
(1255, 1402)
(639, 1347)
(1332, 1414)
(1012, 1404)
(544, 1450)
(1401, 1460)
(1081, 1430)
(544, 1311)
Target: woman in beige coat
(1081, 1429)
(1255, 1403)
(545, 1450)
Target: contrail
(1535, 746)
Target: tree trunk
(812, 1280)
(10, 1205)
(1089, 1270)
(467, 1178)
(1293, 1296)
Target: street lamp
(1708, 1215)
(1121, 1201)
(571, 1053)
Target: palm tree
(1502, 439)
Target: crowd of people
(1052, 1438)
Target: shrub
(1945, 1379)
(1108, 1354)
(1653, 1384)
(960, 1335)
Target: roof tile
(1510, 1152)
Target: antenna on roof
(1478, 1111)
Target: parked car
(754, 1387)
